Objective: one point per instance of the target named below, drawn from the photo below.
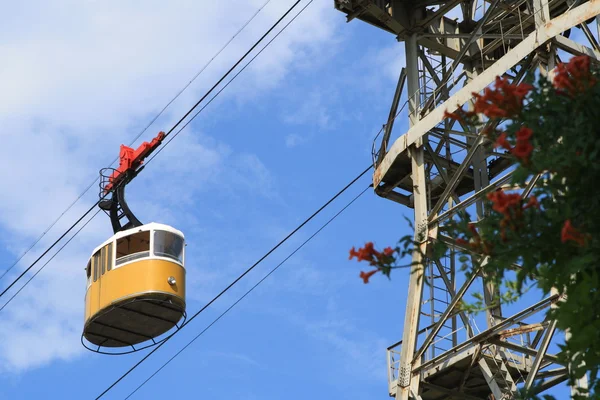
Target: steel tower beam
(438, 167)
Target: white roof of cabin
(146, 227)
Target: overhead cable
(250, 290)
(235, 65)
(36, 241)
(282, 241)
(227, 84)
(47, 262)
(170, 130)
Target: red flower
(376, 258)
(502, 202)
(522, 150)
(366, 275)
(502, 142)
(453, 116)
(462, 242)
(521, 90)
(511, 206)
(490, 110)
(488, 130)
(367, 253)
(575, 76)
(568, 232)
(504, 101)
(524, 133)
(353, 253)
(473, 229)
(533, 202)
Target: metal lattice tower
(454, 48)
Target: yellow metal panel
(92, 299)
(135, 279)
(87, 305)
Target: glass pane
(167, 244)
(133, 247)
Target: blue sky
(83, 77)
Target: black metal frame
(116, 207)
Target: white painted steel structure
(454, 48)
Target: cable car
(135, 279)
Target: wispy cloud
(251, 172)
(293, 140)
(74, 89)
(236, 357)
(312, 111)
(360, 351)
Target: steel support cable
(47, 262)
(36, 241)
(227, 84)
(170, 130)
(250, 290)
(235, 65)
(49, 248)
(136, 138)
(282, 241)
(202, 69)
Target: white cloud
(312, 111)
(359, 350)
(388, 60)
(262, 182)
(78, 79)
(304, 43)
(44, 322)
(293, 140)
(299, 276)
(235, 357)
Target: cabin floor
(471, 376)
(440, 384)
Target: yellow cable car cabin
(135, 286)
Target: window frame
(123, 260)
